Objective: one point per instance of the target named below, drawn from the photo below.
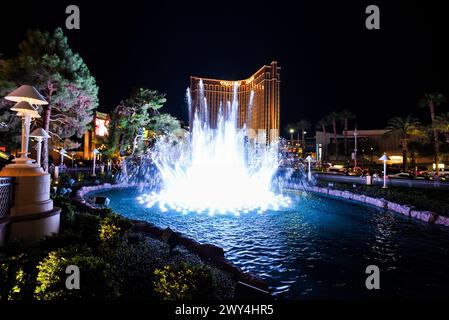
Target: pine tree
(47, 62)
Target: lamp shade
(39, 133)
(26, 93)
(23, 108)
(62, 151)
(95, 151)
(384, 157)
(309, 158)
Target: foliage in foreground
(114, 263)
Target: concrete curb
(406, 210)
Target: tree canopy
(46, 61)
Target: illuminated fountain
(215, 170)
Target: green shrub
(68, 210)
(132, 265)
(87, 226)
(184, 281)
(113, 227)
(13, 278)
(173, 284)
(51, 276)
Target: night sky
(329, 60)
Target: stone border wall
(406, 210)
(208, 252)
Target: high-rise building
(261, 115)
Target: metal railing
(6, 196)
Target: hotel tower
(261, 116)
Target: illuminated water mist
(215, 170)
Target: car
(401, 175)
(336, 169)
(443, 174)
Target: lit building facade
(93, 137)
(262, 117)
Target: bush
(132, 265)
(12, 278)
(192, 282)
(51, 276)
(172, 284)
(67, 209)
(113, 226)
(114, 262)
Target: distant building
(370, 144)
(390, 144)
(92, 138)
(262, 120)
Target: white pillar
(56, 174)
(39, 151)
(26, 122)
(93, 169)
(385, 174)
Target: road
(410, 183)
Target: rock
(335, 193)
(323, 190)
(170, 237)
(426, 216)
(211, 251)
(402, 209)
(205, 251)
(347, 195)
(359, 197)
(442, 220)
(375, 202)
(148, 228)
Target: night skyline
(329, 60)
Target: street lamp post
(62, 152)
(385, 158)
(355, 147)
(31, 198)
(309, 172)
(39, 134)
(27, 112)
(25, 96)
(73, 153)
(291, 137)
(95, 152)
(303, 142)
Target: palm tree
(303, 125)
(322, 124)
(346, 115)
(432, 100)
(442, 125)
(333, 117)
(406, 127)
